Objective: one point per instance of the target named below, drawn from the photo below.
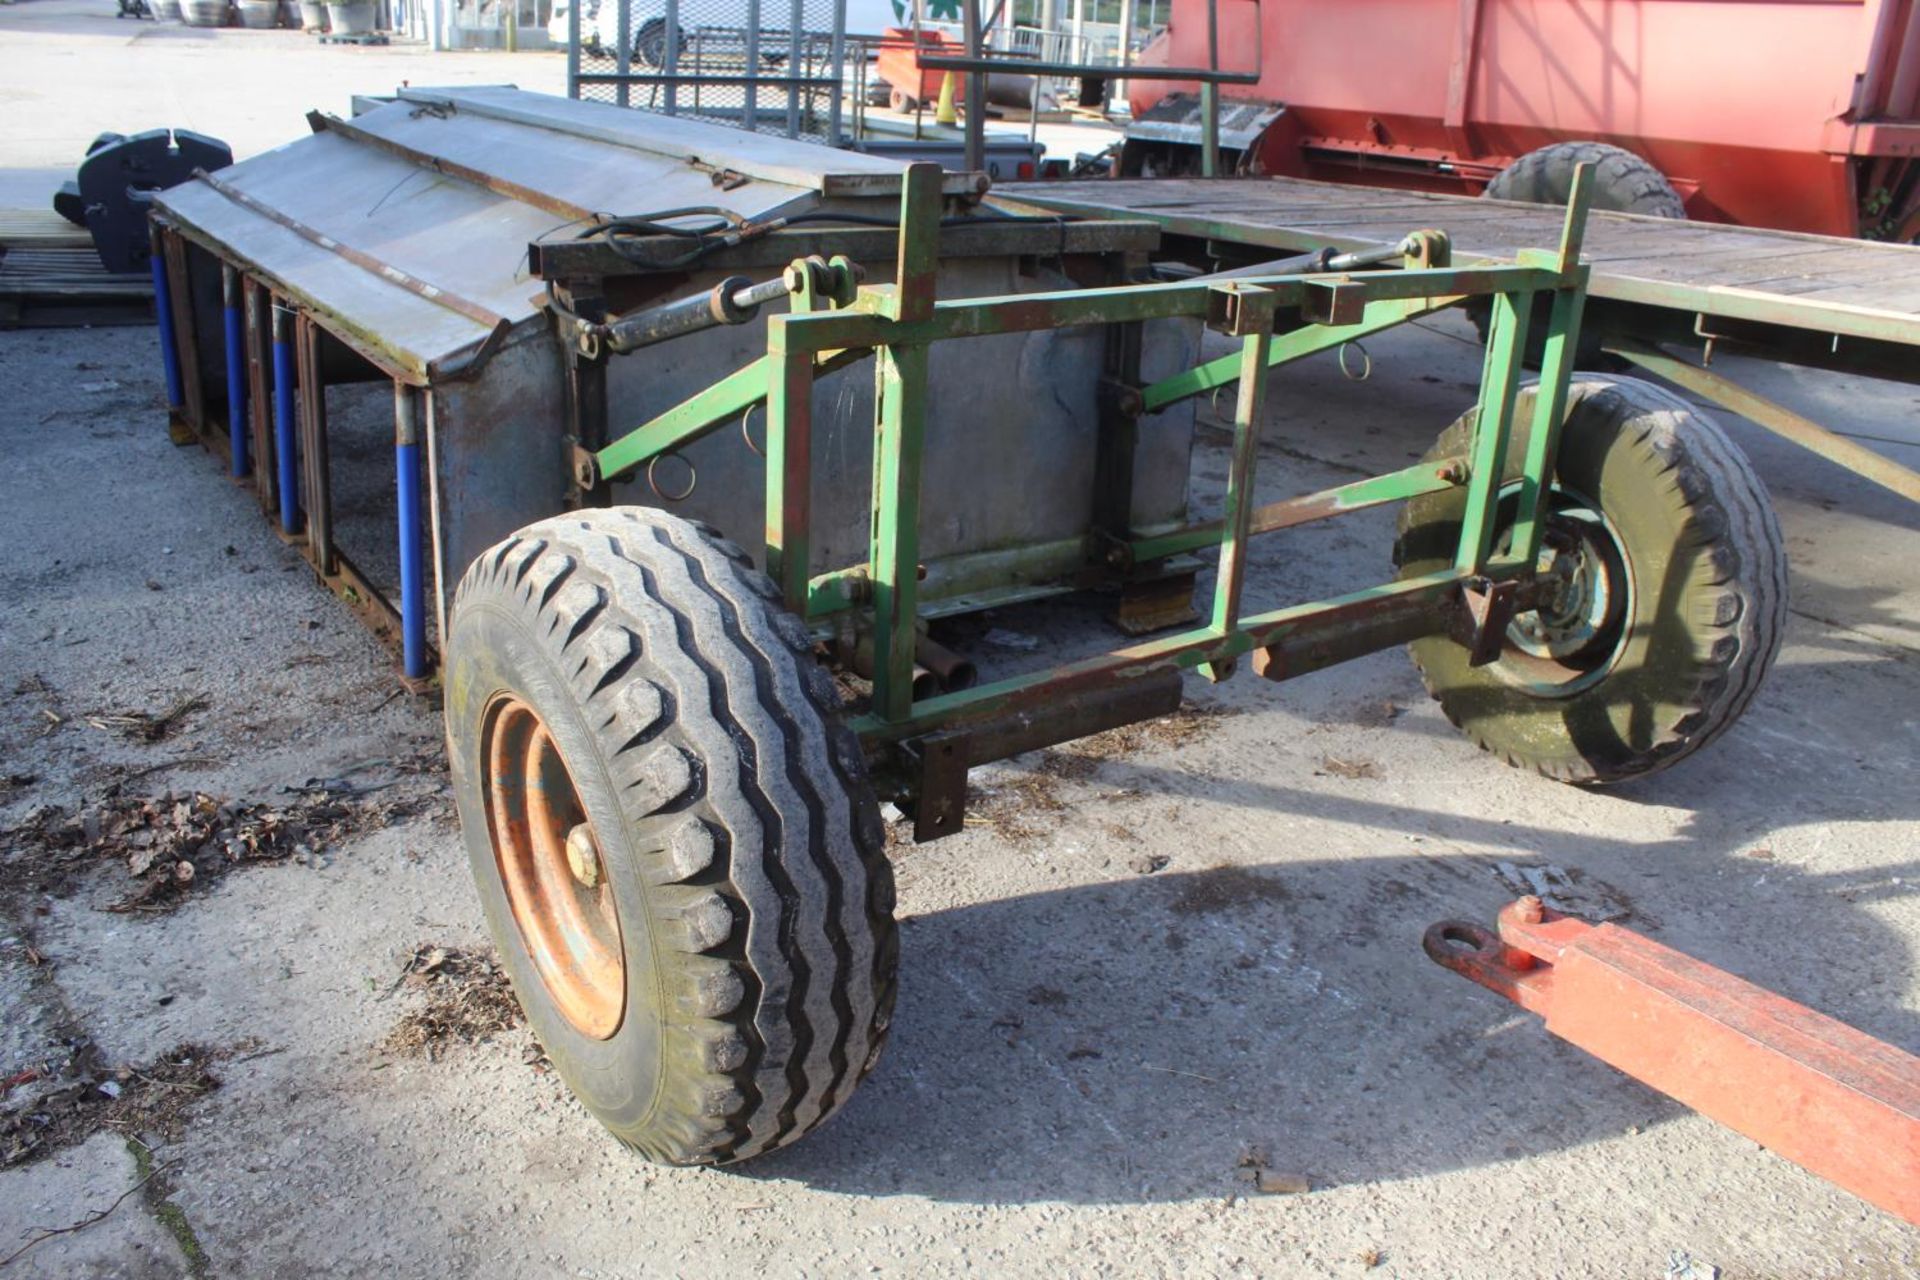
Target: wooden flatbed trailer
(1665, 295)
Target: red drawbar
(1832, 1099)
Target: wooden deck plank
(1827, 283)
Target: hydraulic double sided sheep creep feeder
(670, 804)
(673, 819)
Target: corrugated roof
(405, 229)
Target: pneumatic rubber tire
(1622, 181)
(736, 832)
(650, 45)
(1704, 574)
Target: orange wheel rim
(551, 869)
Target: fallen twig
(1191, 1075)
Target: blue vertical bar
(236, 374)
(284, 443)
(406, 470)
(163, 313)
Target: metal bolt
(583, 856)
(1529, 910)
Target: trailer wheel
(675, 844)
(900, 100)
(1622, 181)
(1674, 597)
(650, 44)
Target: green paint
(1184, 650)
(1247, 418)
(1549, 412)
(789, 472)
(900, 432)
(1492, 426)
(1288, 347)
(1397, 486)
(687, 421)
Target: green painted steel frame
(897, 323)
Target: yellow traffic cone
(945, 114)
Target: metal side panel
(446, 233)
(407, 329)
(577, 170)
(498, 456)
(1011, 430)
(828, 170)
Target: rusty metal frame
(897, 324)
(180, 291)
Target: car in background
(647, 21)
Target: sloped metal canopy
(404, 230)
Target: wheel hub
(1572, 635)
(551, 869)
(1584, 601)
(583, 857)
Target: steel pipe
(163, 315)
(231, 301)
(734, 300)
(285, 445)
(406, 467)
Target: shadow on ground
(1134, 1041)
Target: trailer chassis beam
(1765, 413)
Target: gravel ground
(1086, 1056)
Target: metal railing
(980, 59)
(768, 66)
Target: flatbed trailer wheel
(1672, 598)
(1622, 181)
(672, 833)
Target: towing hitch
(1833, 1100)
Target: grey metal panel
(457, 236)
(828, 170)
(410, 329)
(498, 450)
(451, 234)
(575, 169)
(1011, 427)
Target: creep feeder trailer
(874, 400)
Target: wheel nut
(583, 857)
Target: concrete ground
(74, 71)
(1085, 1055)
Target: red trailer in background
(1797, 114)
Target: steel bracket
(1334, 302)
(586, 467)
(1122, 398)
(1428, 250)
(1238, 310)
(939, 764)
(1486, 608)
